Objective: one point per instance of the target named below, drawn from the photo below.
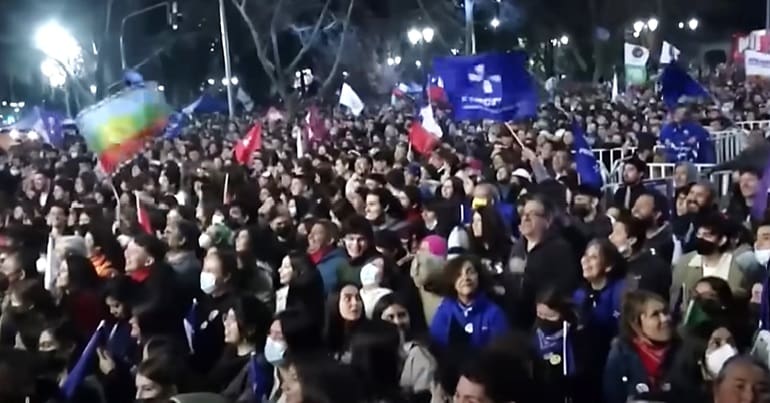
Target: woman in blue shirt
(598, 303)
(466, 320)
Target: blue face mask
(274, 351)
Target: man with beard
(701, 202)
(652, 210)
(634, 170)
(589, 220)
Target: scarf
(551, 348)
(316, 256)
(140, 275)
(652, 357)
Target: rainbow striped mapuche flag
(116, 128)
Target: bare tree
(303, 21)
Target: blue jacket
(328, 267)
(625, 376)
(604, 312)
(687, 141)
(483, 320)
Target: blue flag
(206, 103)
(493, 86)
(588, 170)
(176, 122)
(78, 373)
(676, 83)
(190, 323)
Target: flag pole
(564, 328)
(225, 196)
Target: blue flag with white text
(676, 83)
(493, 86)
(588, 169)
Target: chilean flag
(142, 216)
(425, 133)
(436, 91)
(252, 142)
(315, 126)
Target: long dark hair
(301, 332)
(375, 358)
(306, 287)
(494, 242)
(337, 330)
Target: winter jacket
(482, 321)
(329, 265)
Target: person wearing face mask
(245, 325)
(218, 291)
(589, 221)
(645, 271)
(549, 355)
(639, 363)
(371, 289)
(701, 359)
(762, 244)
(713, 257)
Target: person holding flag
(686, 140)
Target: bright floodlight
(234, 80)
(680, 25)
(564, 40)
(210, 81)
(418, 64)
(427, 34)
(414, 36)
(57, 43)
(161, 88)
(397, 60)
(391, 61)
(92, 88)
(53, 72)
(455, 51)
(652, 24)
(638, 26)
(693, 24)
(636, 34)
(495, 22)
(21, 104)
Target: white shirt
(721, 269)
(281, 296)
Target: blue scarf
(551, 349)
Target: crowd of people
(360, 271)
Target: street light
(693, 24)
(652, 24)
(494, 23)
(210, 81)
(414, 36)
(397, 60)
(161, 88)
(638, 26)
(427, 34)
(418, 63)
(53, 72)
(564, 40)
(391, 61)
(680, 25)
(92, 88)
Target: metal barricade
(728, 144)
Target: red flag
(252, 142)
(314, 124)
(143, 217)
(421, 140)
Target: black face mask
(704, 247)
(549, 326)
(283, 232)
(581, 211)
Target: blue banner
(493, 86)
(586, 165)
(676, 83)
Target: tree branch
(338, 57)
(261, 55)
(274, 35)
(306, 46)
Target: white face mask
(762, 256)
(274, 351)
(369, 274)
(716, 359)
(208, 282)
(204, 241)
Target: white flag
(668, 53)
(636, 55)
(615, 89)
(245, 100)
(349, 98)
(429, 122)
